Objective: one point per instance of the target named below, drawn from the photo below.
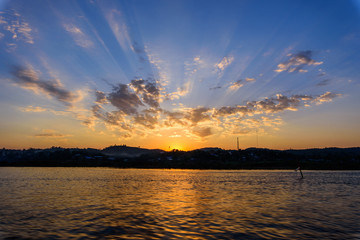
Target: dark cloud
(113, 117)
(297, 62)
(131, 101)
(323, 82)
(202, 131)
(148, 119)
(174, 118)
(215, 88)
(139, 50)
(100, 97)
(124, 100)
(224, 111)
(29, 79)
(147, 90)
(280, 103)
(54, 135)
(275, 104)
(198, 115)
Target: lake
(106, 203)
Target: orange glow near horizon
(74, 83)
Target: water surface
(93, 203)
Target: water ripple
(100, 203)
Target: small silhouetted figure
(299, 169)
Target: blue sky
(179, 74)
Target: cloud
(124, 100)
(80, 38)
(236, 85)
(202, 131)
(227, 110)
(119, 28)
(139, 50)
(215, 88)
(139, 111)
(250, 79)
(49, 133)
(174, 118)
(224, 63)
(148, 90)
(297, 62)
(28, 78)
(148, 118)
(181, 91)
(278, 104)
(112, 118)
(33, 109)
(100, 97)
(323, 82)
(198, 115)
(15, 28)
(326, 97)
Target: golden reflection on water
(176, 204)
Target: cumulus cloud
(124, 100)
(139, 111)
(297, 62)
(29, 79)
(148, 90)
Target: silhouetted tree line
(213, 158)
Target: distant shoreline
(206, 158)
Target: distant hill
(128, 152)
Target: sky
(180, 74)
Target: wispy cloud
(323, 82)
(32, 109)
(234, 86)
(297, 62)
(28, 78)
(50, 133)
(119, 28)
(80, 38)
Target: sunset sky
(180, 74)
